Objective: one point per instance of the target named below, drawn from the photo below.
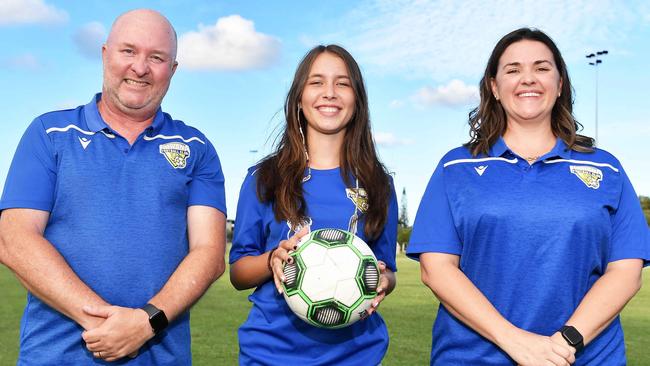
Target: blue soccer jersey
(532, 238)
(118, 215)
(272, 334)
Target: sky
(422, 61)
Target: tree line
(645, 205)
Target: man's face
(139, 62)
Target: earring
(496, 97)
(304, 147)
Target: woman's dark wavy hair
(487, 122)
(280, 173)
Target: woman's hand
(280, 255)
(530, 349)
(558, 339)
(386, 284)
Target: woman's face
(327, 97)
(527, 82)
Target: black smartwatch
(157, 318)
(572, 337)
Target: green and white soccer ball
(332, 280)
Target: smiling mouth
(327, 109)
(529, 94)
(135, 82)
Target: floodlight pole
(597, 60)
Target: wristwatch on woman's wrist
(572, 337)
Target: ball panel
(362, 247)
(345, 261)
(369, 276)
(347, 292)
(332, 237)
(293, 273)
(328, 315)
(298, 305)
(360, 311)
(319, 283)
(312, 254)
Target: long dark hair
(280, 173)
(487, 122)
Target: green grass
(409, 312)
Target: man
(114, 215)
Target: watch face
(158, 321)
(572, 335)
(157, 318)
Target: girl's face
(328, 100)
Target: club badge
(176, 154)
(589, 175)
(359, 197)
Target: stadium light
(595, 60)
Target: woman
(323, 174)
(532, 239)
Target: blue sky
(422, 61)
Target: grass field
(409, 312)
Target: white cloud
(230, 44)
(25, 61)
(454, 93)
(443, 39)
(396, 103)
(30, 11)
(388, 139)
(89, 39)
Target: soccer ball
(332, 280)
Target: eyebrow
(538, 62)
(322, 76)
(131, 45)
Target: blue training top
(118, 215)
(532, 238)
(272, 334)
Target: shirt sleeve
(629, 227)
(207, 185)
(32, 176)
(386, 245)
(434, 229)
(248, 237)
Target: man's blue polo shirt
(533, 239)
(118, 215)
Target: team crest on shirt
(359, 197)
(589, 175)
(176, 153)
